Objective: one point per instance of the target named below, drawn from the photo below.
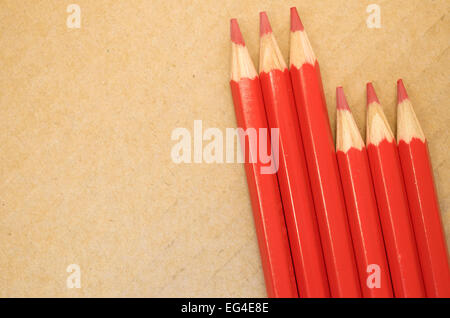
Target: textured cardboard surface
(86, 117)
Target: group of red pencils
(358, 220)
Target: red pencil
(322, 165)
(423, 201)
(361, 204)
(392, 202)
(264, 192)
(292, 173)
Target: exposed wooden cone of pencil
(270, 55)
(378, 128)
(408, 126)
(347, 132)
(301, 51)
(241, 63)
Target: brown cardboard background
(86, 117)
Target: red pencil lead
(264, 24)
(371, 95)
(341, 101)
(235, 33)
(296, 23)
(401, 91)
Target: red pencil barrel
(294, 186)
(265, 197)
(364, 223)
(426, 218)
(325, 181)
(395, 220)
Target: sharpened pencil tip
(371, 95)
(264, 24)
(341, 101)
(296, 23)
(235, 33)
(401, 91)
